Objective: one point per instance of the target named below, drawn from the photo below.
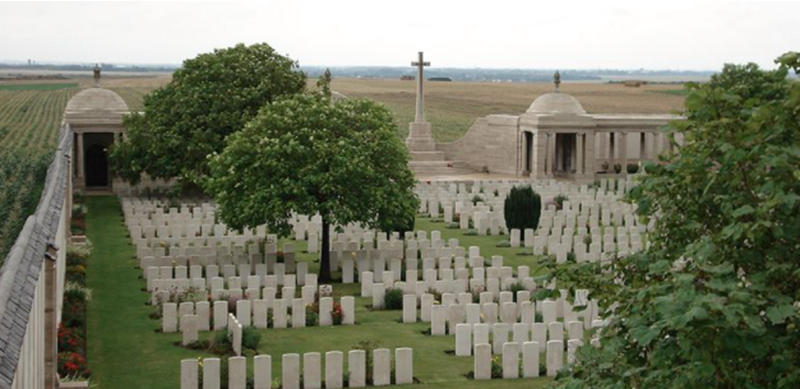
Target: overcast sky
(490, 33)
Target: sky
(469, 34)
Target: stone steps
(427, 156)
(423, 168)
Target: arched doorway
(96, 166)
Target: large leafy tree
(210, 97)
(308, 154)
(712, 303)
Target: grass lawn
(125, 351)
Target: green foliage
(393, 299)
(632, 168)
(617, 168)
(251, 338)
(523, 207)
(310, 155)
(712, 302)
(210, 97)
(503, 243)
(559, 200)
(222, 344)
(75, 292)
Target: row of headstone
(468, 336)
(251, 313)
(530, 352)
(309, 373)
(242, 279)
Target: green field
(126, 351)
(57, 86)
(30, 116)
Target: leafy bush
(312, 315)
(452, 226)
(617, 168)
(73, 365)
(712, 302)
(368, 348)
(75, 292)
(78, 254)
(503, 243)
(559, 200)
(393, 299)
(337, 313)
(497, 367)
(222, 343)
(471, 232)
(251, 338)
(632, 168)
(516, 287)
(523, 207)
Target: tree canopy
(209, 98)
(308, 154)
(712, 303)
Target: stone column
(613, 140)
(589, 157)
(579, 147)
(551, 153)
(80, 159)
(539, 155)
(623, 152)
(603, 147)
(650, 144)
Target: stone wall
(32, 281)
(490, 144)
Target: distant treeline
(396, 72)
(89, 67)
(496, 75)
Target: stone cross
(420, 64)
(557, 80)
(96, 74)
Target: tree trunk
(325, 254)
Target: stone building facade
(556, 138)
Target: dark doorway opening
(96, 166)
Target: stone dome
(556, 103)
(96, 99)
(96, 105)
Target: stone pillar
(612, 152)
(589, 158)
(579, 147)
(551, 153)
(603, 146)
(539, 154)
(80, 159)
(649, 144)
(623, 152)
